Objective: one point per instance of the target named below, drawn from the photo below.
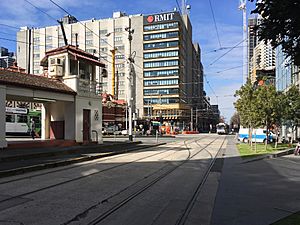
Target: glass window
(161, 73)
(148, 101)
(88, 33)
(167, 44)
(148, 37)
(120, 57)
(10, 118)
(161, 64)
(103, 32)
(160, 82)
(161, 26)
(153, 55)
(21, 118)
(118, 39)
(118, 29)
(166, 91)
(89, 42)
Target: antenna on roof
(63, 31)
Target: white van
(258, 135)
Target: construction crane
(242, 7)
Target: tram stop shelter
(68, 91)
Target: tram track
(186, 212)
(98, 219)
(80, 177)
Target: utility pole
(192, 128)
(131, 79)
(245, 41)
(113, 79)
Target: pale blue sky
(228, 19)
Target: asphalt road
(153, 186)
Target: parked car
(136, 133)
(110, 131)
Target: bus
(18, 121)
(222, 128)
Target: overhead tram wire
(226, 53)
(214, 19)
(56, 4)
(40, 9)
(56, 21)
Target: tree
(281, 25)
(291, 112)
(268, 107)
(259, 106)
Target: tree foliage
(292, 102)
(259, 106)
(280, 24)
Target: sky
(220, 83)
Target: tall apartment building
(252, 40)
(167, 68)
(263, 61)
(6, 58)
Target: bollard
(156, 136)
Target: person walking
(32, 128)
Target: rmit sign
(161, 17)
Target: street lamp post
(130, 97)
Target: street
(152, 186)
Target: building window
(161, 73)
(103, 49)
(37, 63)
(49, 46)
(121, 74)
(48, 38)
(103, 32)
(36, 47)
(36, 56)
(119, 56)
(89, 42)
(121, 92)
(148, 101)
(161, 64)
(165, 91)
(118, 29)
(121, 47)
(120, 65)
(148, 37)
(36, 71)
(121, 83)
(160, 82)
(153, 55)
(91, 50)
(36, 39)
(118, 39)
(103, 41)
(89, 34)
(161, 26)
(167, 44)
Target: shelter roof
(25, 80)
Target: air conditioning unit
(56, 67)
(56, 71)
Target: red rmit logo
(150, 19)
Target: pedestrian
(297, 149)
(32, 128)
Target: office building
(167, 64)
(6, 58)
(263, 61)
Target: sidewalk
(21, 160)
(258, 192)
